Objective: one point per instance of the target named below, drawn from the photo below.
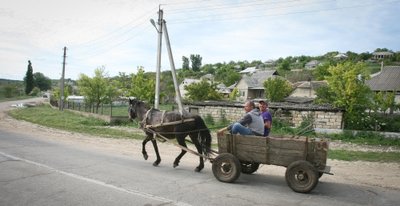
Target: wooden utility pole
(61, 106)
(159, 43)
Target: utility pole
(159, 44)
(61, 106)
(172, 64)
(163, 26)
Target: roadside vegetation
(70, 121)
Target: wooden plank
(223, 144)
(251, 140)
(252, 157)
(286, 143)
(251, 148)
(283, 160)
(284, 157)
(285, 152)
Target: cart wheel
(301, 176)
(249, 167)
(226, 167)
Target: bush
(374, 122)
(209, 120)
(365, 137)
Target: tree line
(346, 82)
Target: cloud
(117, 34)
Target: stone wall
(323, 116)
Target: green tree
(227, 75)
(347, 89)
(202, 91)
(35, 91)
(276, 89)
(41, 81)
(167, 89)
(28, 80)
(196, 62)
(321, 72)
(384, 101)
(96, 90)
(143, 86)
(122, 83)
(234, 94)
(208, 69)
(185, 62)
(284, 64)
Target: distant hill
(10, 81)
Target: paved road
(40, 171)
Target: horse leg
(144, 152)
(196, 143)
(181, 141)
(154, 141)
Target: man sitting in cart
(250, 124)
(266, 115)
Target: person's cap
(262, 102)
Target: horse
(195, 128)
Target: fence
(116, 111)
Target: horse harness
(162, 123)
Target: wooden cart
(304, 158)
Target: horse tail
(204, 134)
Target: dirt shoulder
(358, 173)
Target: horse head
(136, 109)
(132, 109)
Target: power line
(232, 17)
(122, 30)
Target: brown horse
(196, 129)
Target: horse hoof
(156, 163)
(145, 156)
(198, 169)
(176, 165)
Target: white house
(252, 86)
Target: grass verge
(69, 121)
(347, 155)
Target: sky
(117, 34)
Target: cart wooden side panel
(275, 150)
(245, 148)
(283, 151)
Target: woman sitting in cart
(250, 124)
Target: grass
(347, 155)
(366, 138)
(5, 99)
(69, 121)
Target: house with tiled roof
(387, 80)
(312, 64)
(251, 86)
(307, 88)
